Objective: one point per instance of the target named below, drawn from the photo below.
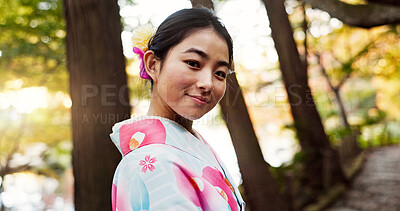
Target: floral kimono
(165, 167)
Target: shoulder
(157, 162)
(152, 173)
(133, 135)
(165, 177)
(151, 156)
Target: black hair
(179, 25)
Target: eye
(220, 74)
(192, 63)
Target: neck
(159, 108)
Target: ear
(152, 65)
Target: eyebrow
(205, 55)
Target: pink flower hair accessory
(143, 74)
(140, 40)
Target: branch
(6, 168)
(16, 169)
(362, 51)
(365, 16)
(390, 2)
(323, 71)
(305, 28)
(356, 57)
(347, 76)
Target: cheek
(174, 86)
(179, 83)
(219, 90)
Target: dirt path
(377, 187)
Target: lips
(200, 99)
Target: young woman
(166, 164)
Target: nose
(204, 80)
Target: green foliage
(323, 100)
(32, 46)
(32, 43)
(358, 62)
(383, 133)
(336, 135)
(364, 66)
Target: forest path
(377, 186)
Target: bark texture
(388, 2)
(99, 97)
(365, 16)
(322, 166)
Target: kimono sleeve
(152, 178)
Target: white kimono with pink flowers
(165, 167)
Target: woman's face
(192, 78)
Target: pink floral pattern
(120, 197)
(221, 184)
(153, 133)
(197, 183)
(114, 197)
(147, 163)
(203, 191)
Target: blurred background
(353, 75)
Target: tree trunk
(366, 16)
(342, 111)
(390, 2)
(336, 91)
(313, 140)
(349, 146)
(99, 97)
(261, 191)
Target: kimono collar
(134, 133)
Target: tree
(261, 191)
(349, 144)
(307, 122)
(389, 2)
(349, 147)
(375, 13)
(99, 96)
(342, 59)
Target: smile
(199, 99)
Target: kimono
(165, 167)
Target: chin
(192, 116)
